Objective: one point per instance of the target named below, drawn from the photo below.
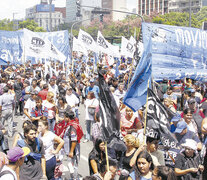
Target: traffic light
(78, 13)
(101, 17)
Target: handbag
(92, 110)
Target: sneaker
(85, 141)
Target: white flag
(79, 46)
(106, 47)
(128, 47)
(38, 47)
(87, 40)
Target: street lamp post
(50, 15)
(13, 21)
(189, 13)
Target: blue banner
(60, 39)
(136, 95)
(11, 46)
(177, 52)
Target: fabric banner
(110, 115)
(79, 46)
(136, 94)
(128, 47)
(38, 47)
(158, 121)
(106, 47)
(87, 40)
(11, 46)
(177, 52)
(60, 39)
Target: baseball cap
(180, 126)
(191, 101)
(16, 153)
(190, 143)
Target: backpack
(6, 172)
(78, 129)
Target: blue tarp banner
(136, 95)
(177, 52)
(11, 46)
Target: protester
(72, 136)
(163, 173)
(152, 148)
(6, 109)
(34, 167)
(49, 103)
(94, 88)
(30, 104)
(16, 158)
(6, 172)
(18, 87)
(49, 138)
(143, 167)
(188, 163)
(129, 122)
(91, 103)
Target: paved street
(85, 147)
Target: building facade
(41, 15)
(116, 5)
(147, 7)
(71, 9)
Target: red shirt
(43, 94)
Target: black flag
(158, 121)
(110, 115)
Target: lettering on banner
(37, 42)
(130, 47)
(191, 38)
(102, 42)
(6, 40)
(7, 56)
(87, 39)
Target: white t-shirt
(90, 102)
(72, 100)
(29, 105)
(49, 106)
(48, 143)
(8, 176)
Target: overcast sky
(8, 7)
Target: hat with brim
(16, 153)
(191, 144)
(180, 126)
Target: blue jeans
(50, 168)
(88, 129)
(51, 124)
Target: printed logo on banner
(87, 39)
(130, 47)
(102, 42)
(38, 42)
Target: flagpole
(130, 72)
(107, 158)
(145, 121)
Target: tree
(6, 25)
(31, 25)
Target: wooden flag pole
(130, 74)
(107, 158)
(145, 120)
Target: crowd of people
(47, 102)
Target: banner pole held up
(107, 158)
(145, 120)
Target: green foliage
(6, 25)
(31, 25)
(182, 19)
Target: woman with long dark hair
(96, 156)
(143, 167)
